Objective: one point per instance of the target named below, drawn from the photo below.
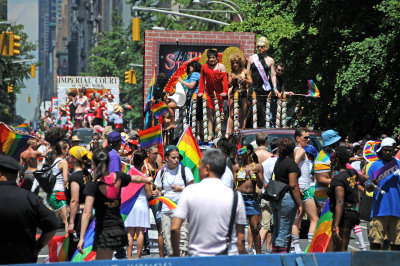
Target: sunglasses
(260, 46)
(242, 150)
(306, 137)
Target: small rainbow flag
(24, 127)
(169, 203)
(369, 151)
(58, 249)
(159, 109)
(148, 119)
(150, 137)
(191, 153)
(323, 231)
(12, 143)
(312, 89)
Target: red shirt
(213, 82)
(98, 108)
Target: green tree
(13, 73)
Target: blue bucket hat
(330, 137)
(311, 150)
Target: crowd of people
(211, 216)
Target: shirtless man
(29, 159)
(262, 70)
(262, 143)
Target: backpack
(182, 173)
(45, 178)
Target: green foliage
(349, 48)
(13, 73)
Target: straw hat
(118, 108)
(76, 138)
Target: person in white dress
(139, 217)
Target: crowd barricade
(360, 258)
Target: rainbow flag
(129, 195)
(312, 89)
(58, 249)
(159, 109)
(169, 203)
(189, 149)
(12, 143)
(150, 137)
(24, 127)
(147, 121)
(369, 151)
(323, 231)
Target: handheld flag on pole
(150, 137)
(159, 109)
(191, 153)
(147, 108)
(312, 90)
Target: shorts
(349, 219)
(266, 217)
(112, 238)
(308, 194)
(251, 205)
(385, 226)
(54, 203)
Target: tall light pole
(142, 8)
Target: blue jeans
(284, 213)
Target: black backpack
(45, 177)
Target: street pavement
(353, 245)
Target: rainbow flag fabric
(150, 137)
(58, 249)
(148, 119)
(369, 151)
(159, 109)
(169, 203)
(24, 127)
(191, 153)
(312, 89)
(323, 231)
(322, 164)
(129, 195)
(12, 143)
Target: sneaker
(146, 252)
(268, 251)
(120, 254)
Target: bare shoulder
(269, 60)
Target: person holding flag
(385, 210)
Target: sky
(26, 12)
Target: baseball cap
(311, 150)
(170, 148)
(387, 142)
(330, 137)
(114, 137)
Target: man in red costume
(213, 80)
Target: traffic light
(133, 76)
(136, 29)
(128, 77)
(3, 43)
(10, 88)
(29, 99)
(14, 47)
(33, 71)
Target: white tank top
(59, 186)
(305, 177)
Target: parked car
(85, 134)
(247, 136)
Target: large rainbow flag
(12, 143)
(150, 137)
(312, 89)
(129, 195)
(148, 119)
(191, 153)
(323, 231)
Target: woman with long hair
(247, 174)
(79, 158)
(82, 105)
(284, 211)
(139, 218)
(57, 199)
(104, 195)
(238, 81)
